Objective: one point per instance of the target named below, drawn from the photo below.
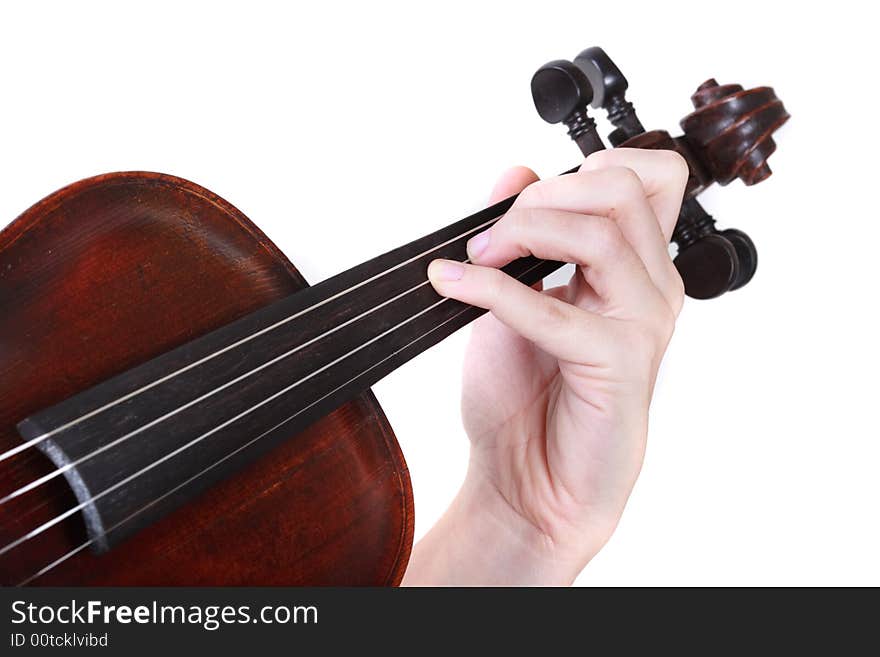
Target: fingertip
(511, 182)
(445, 271)
(476, 245)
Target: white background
(343, 130)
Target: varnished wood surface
(117, 269)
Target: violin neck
(155, 436)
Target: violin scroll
(731, 130)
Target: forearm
(480, 540)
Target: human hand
(557, 383)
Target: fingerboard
(139, 445)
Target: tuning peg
(711, 262)
(709, 267)
(746, 253)
(609, 93)
(562, 93)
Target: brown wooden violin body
(113, 270)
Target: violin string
(66, 514)
(37, 439)
(129, 517)
(51, 475)
(54, 521)
(61, 470)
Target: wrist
(483, 540)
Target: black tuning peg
(562, 92)
(609, 93)
(746, 253)
(711, 262)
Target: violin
(179, 407)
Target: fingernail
(477, 244)
(446, 270)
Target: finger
(560, 329)
(610, 264)
(663, 174)
(617, 193)
(511, 182)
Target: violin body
(114, 270)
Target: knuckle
(599, 159)
(535, 195)
(555, 315)
(626, 190)
(625, 181)
(676, 165)
(643, 342)
(514, 229)
(677, 292)
(494, 286)
(606, 237)
(659, 332)
(517, 220)
(506, 225)
(666, 326)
